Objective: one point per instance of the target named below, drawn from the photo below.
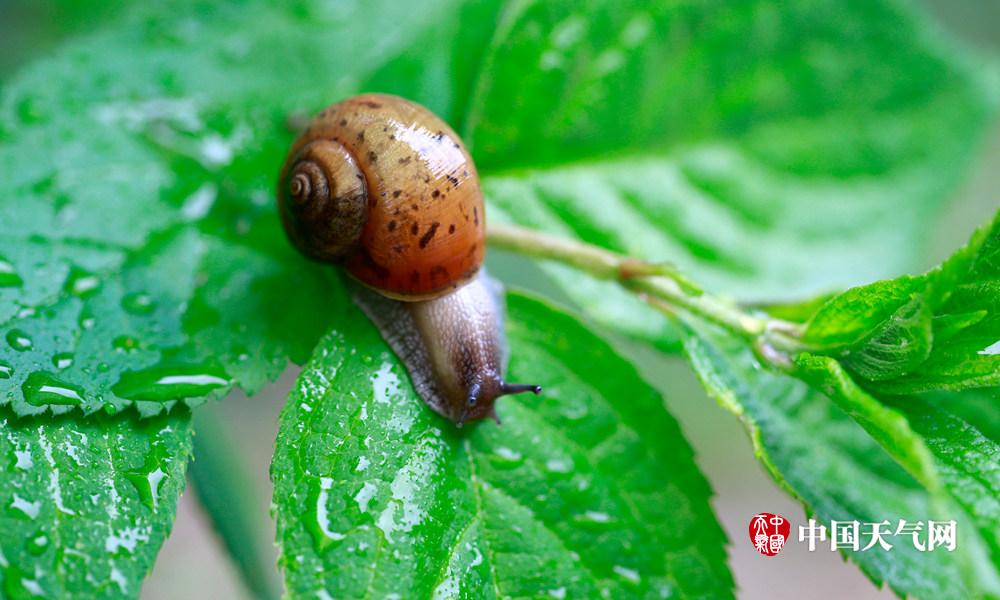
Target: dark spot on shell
(438, 272)
(391, 226)
(397, 193)
(414, 207)
(361, 136)
(414, 278)
(475, 214)
(435, 193)
(456, 146)
(405, 160)
(414, 229)
(398, 248)
(343, 122)
(453, 180)
(465, 172)
(439, 136)
(429, 234)
(369, 262)
(371, 104)
(472, 249)
(451, 228)
(372, 156)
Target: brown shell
(425, 228)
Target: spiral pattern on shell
(323, 201)
(308, 183)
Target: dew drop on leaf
(138, 304)
(37, 544)
(81, 282)
(170, 382)
(26, 508)
(630, 576)
(87, 320)
(42, 388)
(148, 478)
(62, 360)
(318, 521)
(124, 343)
(8, 274)
(23, 460)
(6, 370)
(505, 458)
(19, 340)
(594, 520)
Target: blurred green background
(192, 563)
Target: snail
(383, 188)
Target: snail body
(383, 188)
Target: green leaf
(966, 460)
(87, 503)
(914, 334)
(589, 487)
(814, 161)
(939, 450)
(820, 450)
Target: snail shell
(384, 188)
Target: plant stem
(658, 284)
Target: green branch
(660, 285)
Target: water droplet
(126, 539)
(81, 283)
(365, 495)
(125, 343)
(559, 465)
(42, 388)
(505, 458)
(170, 382)
(138, 304)
(319, 522)
(62, 360)
(148, 478)
(384, 383)
(38, 543)
(26, 508)
(22, 460)
(19, 340)
(629, 575)
(6, 370)
(594, 520)
(8, 274)
(87, 318)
